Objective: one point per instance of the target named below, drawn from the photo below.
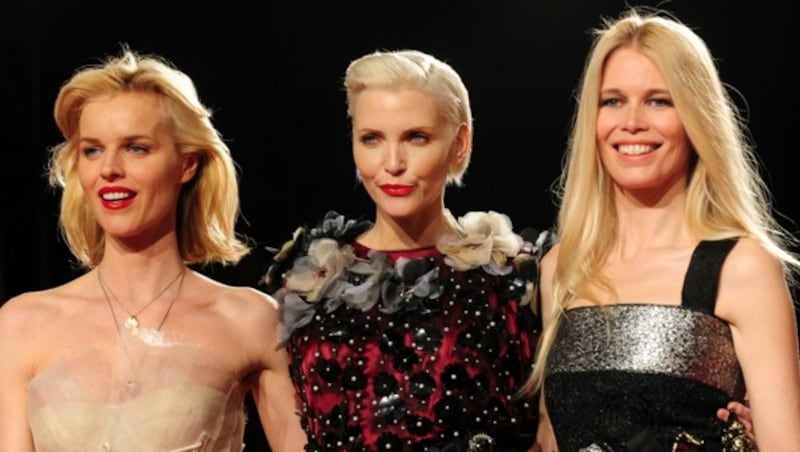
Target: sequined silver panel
(648, 339)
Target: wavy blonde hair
(209, 204)
(420, 71)
(726, 196)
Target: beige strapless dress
(179, 401)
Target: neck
(658, 223)
(419, 231)
(137, 275)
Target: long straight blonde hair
(726, 196)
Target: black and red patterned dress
(399, 350)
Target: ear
(191, 162)
(462, 145)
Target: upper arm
(755, 298)
(273, 392)
(547, 271)
(15, 373)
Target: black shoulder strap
(702, 278)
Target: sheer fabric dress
(175, 398)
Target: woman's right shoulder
(332, 226)
(37, 305)
(25, 311)
(550, 259)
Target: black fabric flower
(449, 409)
(385, 384)
(405, 359)
(418, 425)
(389, 442)
(427, 339)
(328, 369)
(353, 378)
(391, 408)
(422, 385)
(455, 377)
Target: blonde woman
(141, 352)
(412, 331)
(667, 294)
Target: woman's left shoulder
(751, 272)
(232, 298)
(750, 257)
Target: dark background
(272, 73)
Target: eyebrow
(125, 138)
(649, 92)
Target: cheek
(86, 175)
(673, 130)
(368, 162)
(605, 125)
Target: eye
(661, 102)
(418, 137)
(90, 151)
(138, 148)
(369, 139)
(610, 102)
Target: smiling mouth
(115, 196)
(636, 149)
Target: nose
(111, 167)
(396, 159)
(634, 119)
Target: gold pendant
(132, 324)
(130, 386)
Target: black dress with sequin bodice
(412, 354)
(644, 377)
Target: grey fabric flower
(316, 275)
(367, 275)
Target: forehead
(629, 67)
(142, 109)
(383, 106)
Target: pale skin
(401, 142)
(126, 144)
(644, 148)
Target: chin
(401, 212)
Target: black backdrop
(272, 72)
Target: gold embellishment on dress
(685, 442)
(735, 439)
(480, 442)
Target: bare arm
(15, 373)
(274, 393)
(545, 436)
(754, 297)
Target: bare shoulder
(751, 273)
(31, 319)
(27, 310)
(549, 261)
(230, 293)
(245, 307)
(750, 261)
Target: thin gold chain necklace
(132, 321)
(132, 384)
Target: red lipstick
(115, 197)
(397, 189)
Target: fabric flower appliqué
(486, 239)
(318, 269)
